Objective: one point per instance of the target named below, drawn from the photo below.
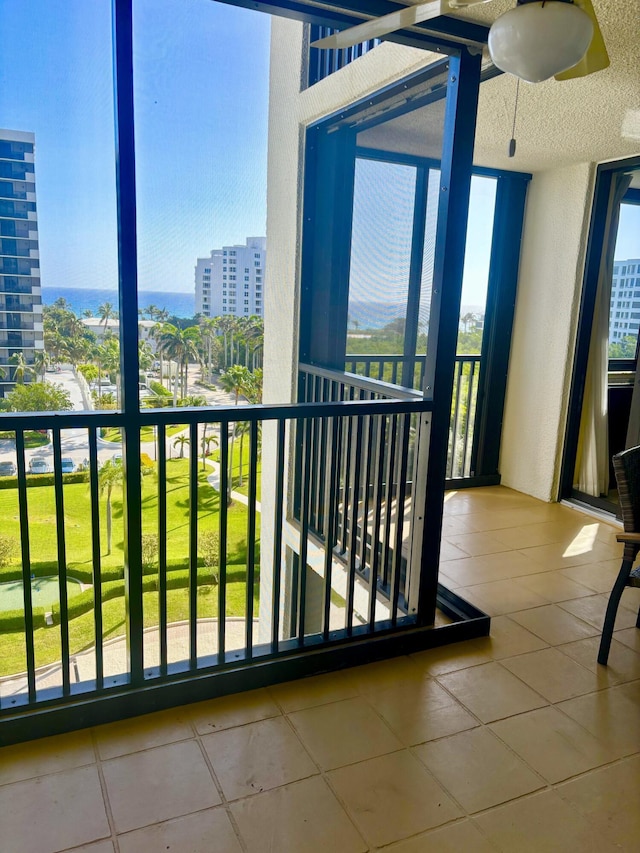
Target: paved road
(75, 443)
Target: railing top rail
(377, 386)
(210, 414)
(395, 357)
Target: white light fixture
(540, 38)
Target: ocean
(82, 299)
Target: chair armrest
(629, 538)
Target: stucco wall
(548, 300)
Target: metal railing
(391, 368)
(368, 465)
(236, 607)
(322, 63)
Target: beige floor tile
(317, 690)
(612, 716)
(144, 732)
(98, 847)
(158, 784)
(228, 711)
(478, 770)
(554, 586)
(608, 799)
(53, 812)
(541, 533)
(343, 732)
(491, 692)
(552, 674)
(623, 664)
(392, 798)
(48, 755)
(592, 610)
(457, 525)
(448, 551)
(458, 837)
(561, 556)
(383, 675)
(507, 639)
(599, 577)
(254, 758)
(554, 625)
(493, 519)
(501, 597)
(454, 657)
(629, 637)
(421, 711)
(490, 567)
(477, 544)
(543, 823)
(552, 743)
(301, 818)
(209, 831)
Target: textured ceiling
(593, 119)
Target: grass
(32, 438)
(42, 519)
(82, 632)
(43, 544)
(147, 433)
(244, 488)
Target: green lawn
(147, 433)
(32, 438)
(42, 537)
(237, 487)
(81, 629)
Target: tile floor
(518, 743)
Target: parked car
(67, 465)
(38, 465)
(7, 469)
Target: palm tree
(181, 440)
(40, 363)
(182, 346)
(110, 475)
(234, 380)
(22, 368)
(106, 312)
(205, 442)
(241, 429)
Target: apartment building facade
(21, 329)
(231, 280)
(625, 300)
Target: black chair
(627, 469)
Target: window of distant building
(207, 269)
(256, 263)
(246, 269)
(258, 279)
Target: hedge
(50, 569)
(35, 480)
(13, 620)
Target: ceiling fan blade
(377, 27)
(596, 58)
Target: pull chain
(512, 141)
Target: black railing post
(453, 208)
(128, 302)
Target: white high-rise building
(21, 329)
(624, 314)
(231, 280)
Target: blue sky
(201, 90)
(201, 97)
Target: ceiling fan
(536, 40)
